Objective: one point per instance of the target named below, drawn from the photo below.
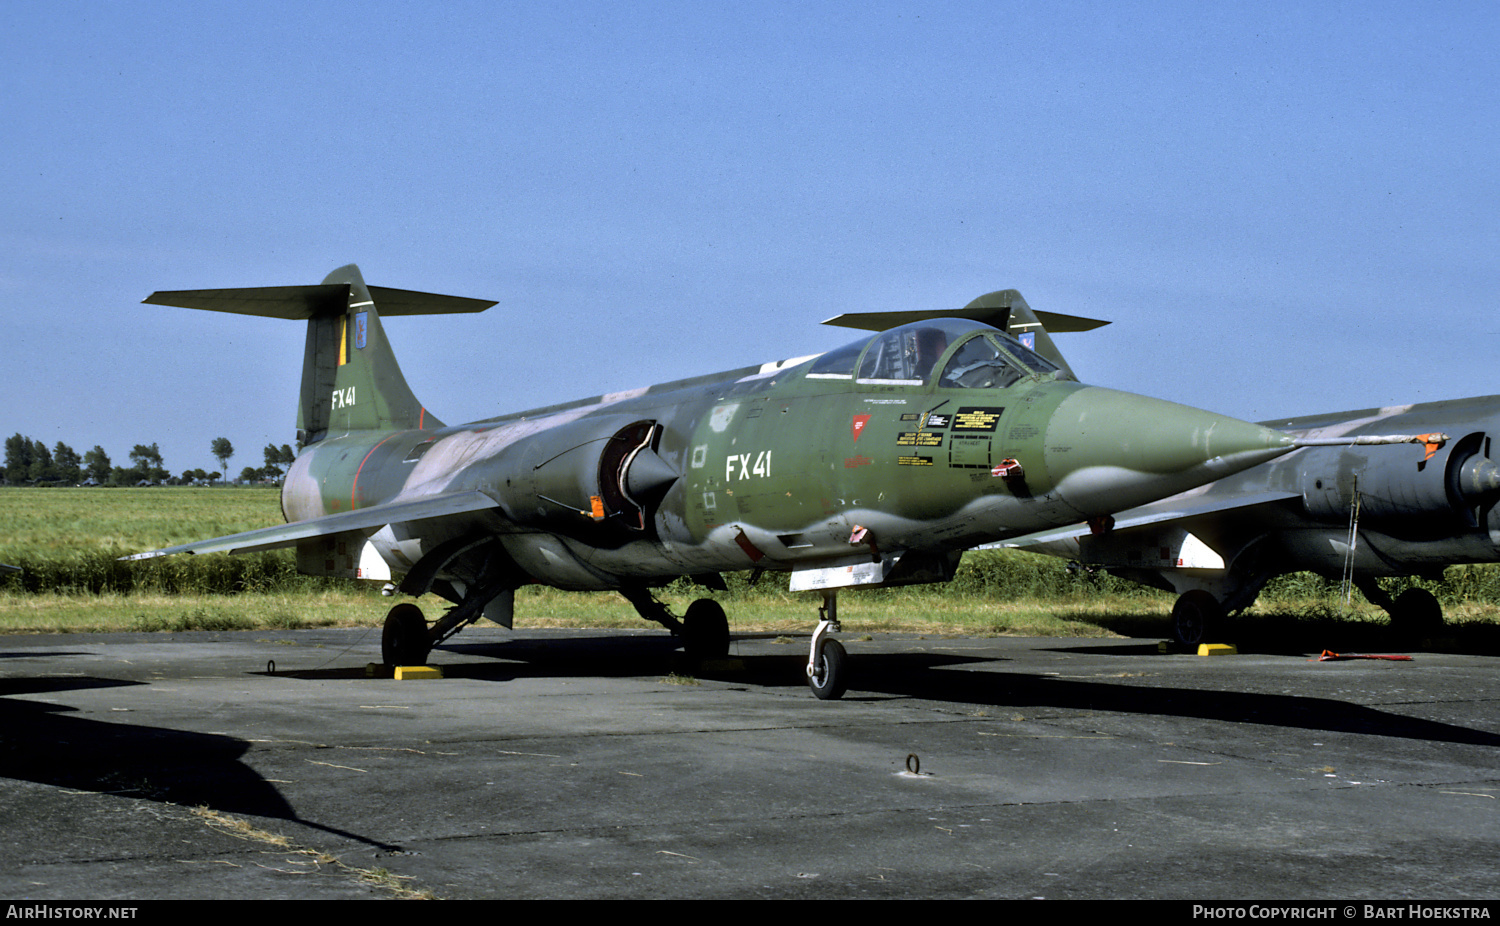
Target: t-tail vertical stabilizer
(1003, 309)
(350, 378)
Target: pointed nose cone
(1108, 451)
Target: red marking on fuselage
(746, 544)
(354, 487)
(858, 425)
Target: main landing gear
(1196, 614)
(704, 629)
(1415, 613)
(404, 640)
(705, 635)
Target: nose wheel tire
(829, 678)
(404, 640)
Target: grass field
(69, 542)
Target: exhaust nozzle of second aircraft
(1130, 450)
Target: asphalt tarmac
(593, 764)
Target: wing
(371, 518)
(1196, 530)
(1182, 508)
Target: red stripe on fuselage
(354, 488)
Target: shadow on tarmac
(43, 743)
(930, 676)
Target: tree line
(30, 462)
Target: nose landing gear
(827, 674)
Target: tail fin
(1030, 327)
(350, 378)
(1004, 309)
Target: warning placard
(977, 418)
(919, 439)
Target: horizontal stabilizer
(997, 318)
(1004, 309)
(361, 519)
(299, 303)
(347, 353)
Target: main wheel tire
(1195, 615)
(1416, 613)
(830, 677)
(404, 640)
(705, 630)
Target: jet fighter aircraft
(874, 464)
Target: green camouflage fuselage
(874, 464)
(776, 467)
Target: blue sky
(1283, 208)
